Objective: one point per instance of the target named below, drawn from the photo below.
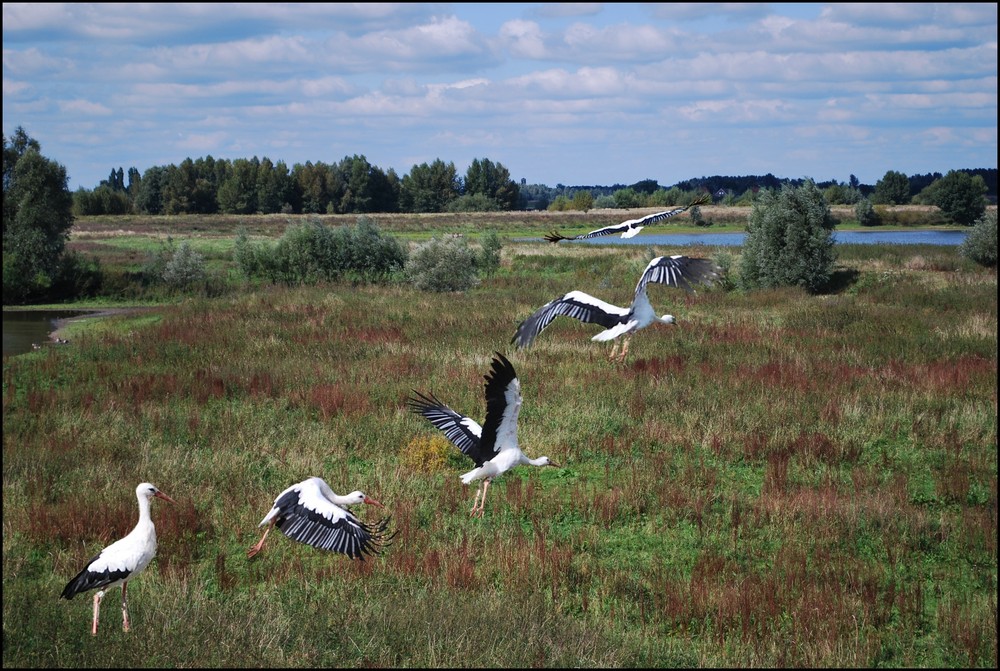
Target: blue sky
(569, 93)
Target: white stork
(493, 448)
(678, 271)
(631, 227)
(122, 560)
(309, 512)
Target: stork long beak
(372, 502)
(552, 463)
(161, 495)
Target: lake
(736, 239)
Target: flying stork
(493, 448)
(309, 512)
(122, 560)
(631, 227)
(678, 271)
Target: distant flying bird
(492, 447)
(631, 227)
(122, 560)
(678, 271)
(309, 512)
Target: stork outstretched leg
(125, 626)
(97, 611)
(475, 502)
(625, 342)
(482, 500)
(614, 348)
(252, 552)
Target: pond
(23, 329)
(736, 239)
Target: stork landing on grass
(309, 512)
(492, 447)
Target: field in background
(779, 480)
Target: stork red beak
(372, 502)
(552, 463)
(161, 495)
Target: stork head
(668, 319)
(149, 490)
(543, 461)
(356, 497)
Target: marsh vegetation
(781, 479)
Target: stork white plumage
(493, 447)
(310, 512)
(631, 227)
(122, 560)
(679, 271)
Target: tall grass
(778, 479)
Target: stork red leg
(97, 611)
(252, 552)
(125, 626)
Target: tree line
(355, 186)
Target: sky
(569, 93)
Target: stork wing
(305, 515)
(503, 404)
(632, 226)
(463, 431)
(575, 304)
(677, 271)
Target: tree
(959, 196)
(789, 240)
(493, 181)
(37, 217)
(892, 189)
(429, 188)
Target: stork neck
(540, 461)
(144, 517)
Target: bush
(866, 214)
(312, 252)
(185, 269)
(490, 250)
(443, 264)
(981, 244)
(789, 240)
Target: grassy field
(780, 479)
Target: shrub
(981, 244)
(488, 260)
(312, 252)
(866, 214)
(443, 264)
(426, 454)
(185, 269)
(789, 240)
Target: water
(24, 328)
(736, 239)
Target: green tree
(892, 189)
(959, 196)
(583, 200)
(493, 181)
(429, 188)
(37, 217)
(789, 240)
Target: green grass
(779, 479)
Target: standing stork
(631, 227)
(492, 447)
(309, 512)
(122, 560)
(677, 271)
